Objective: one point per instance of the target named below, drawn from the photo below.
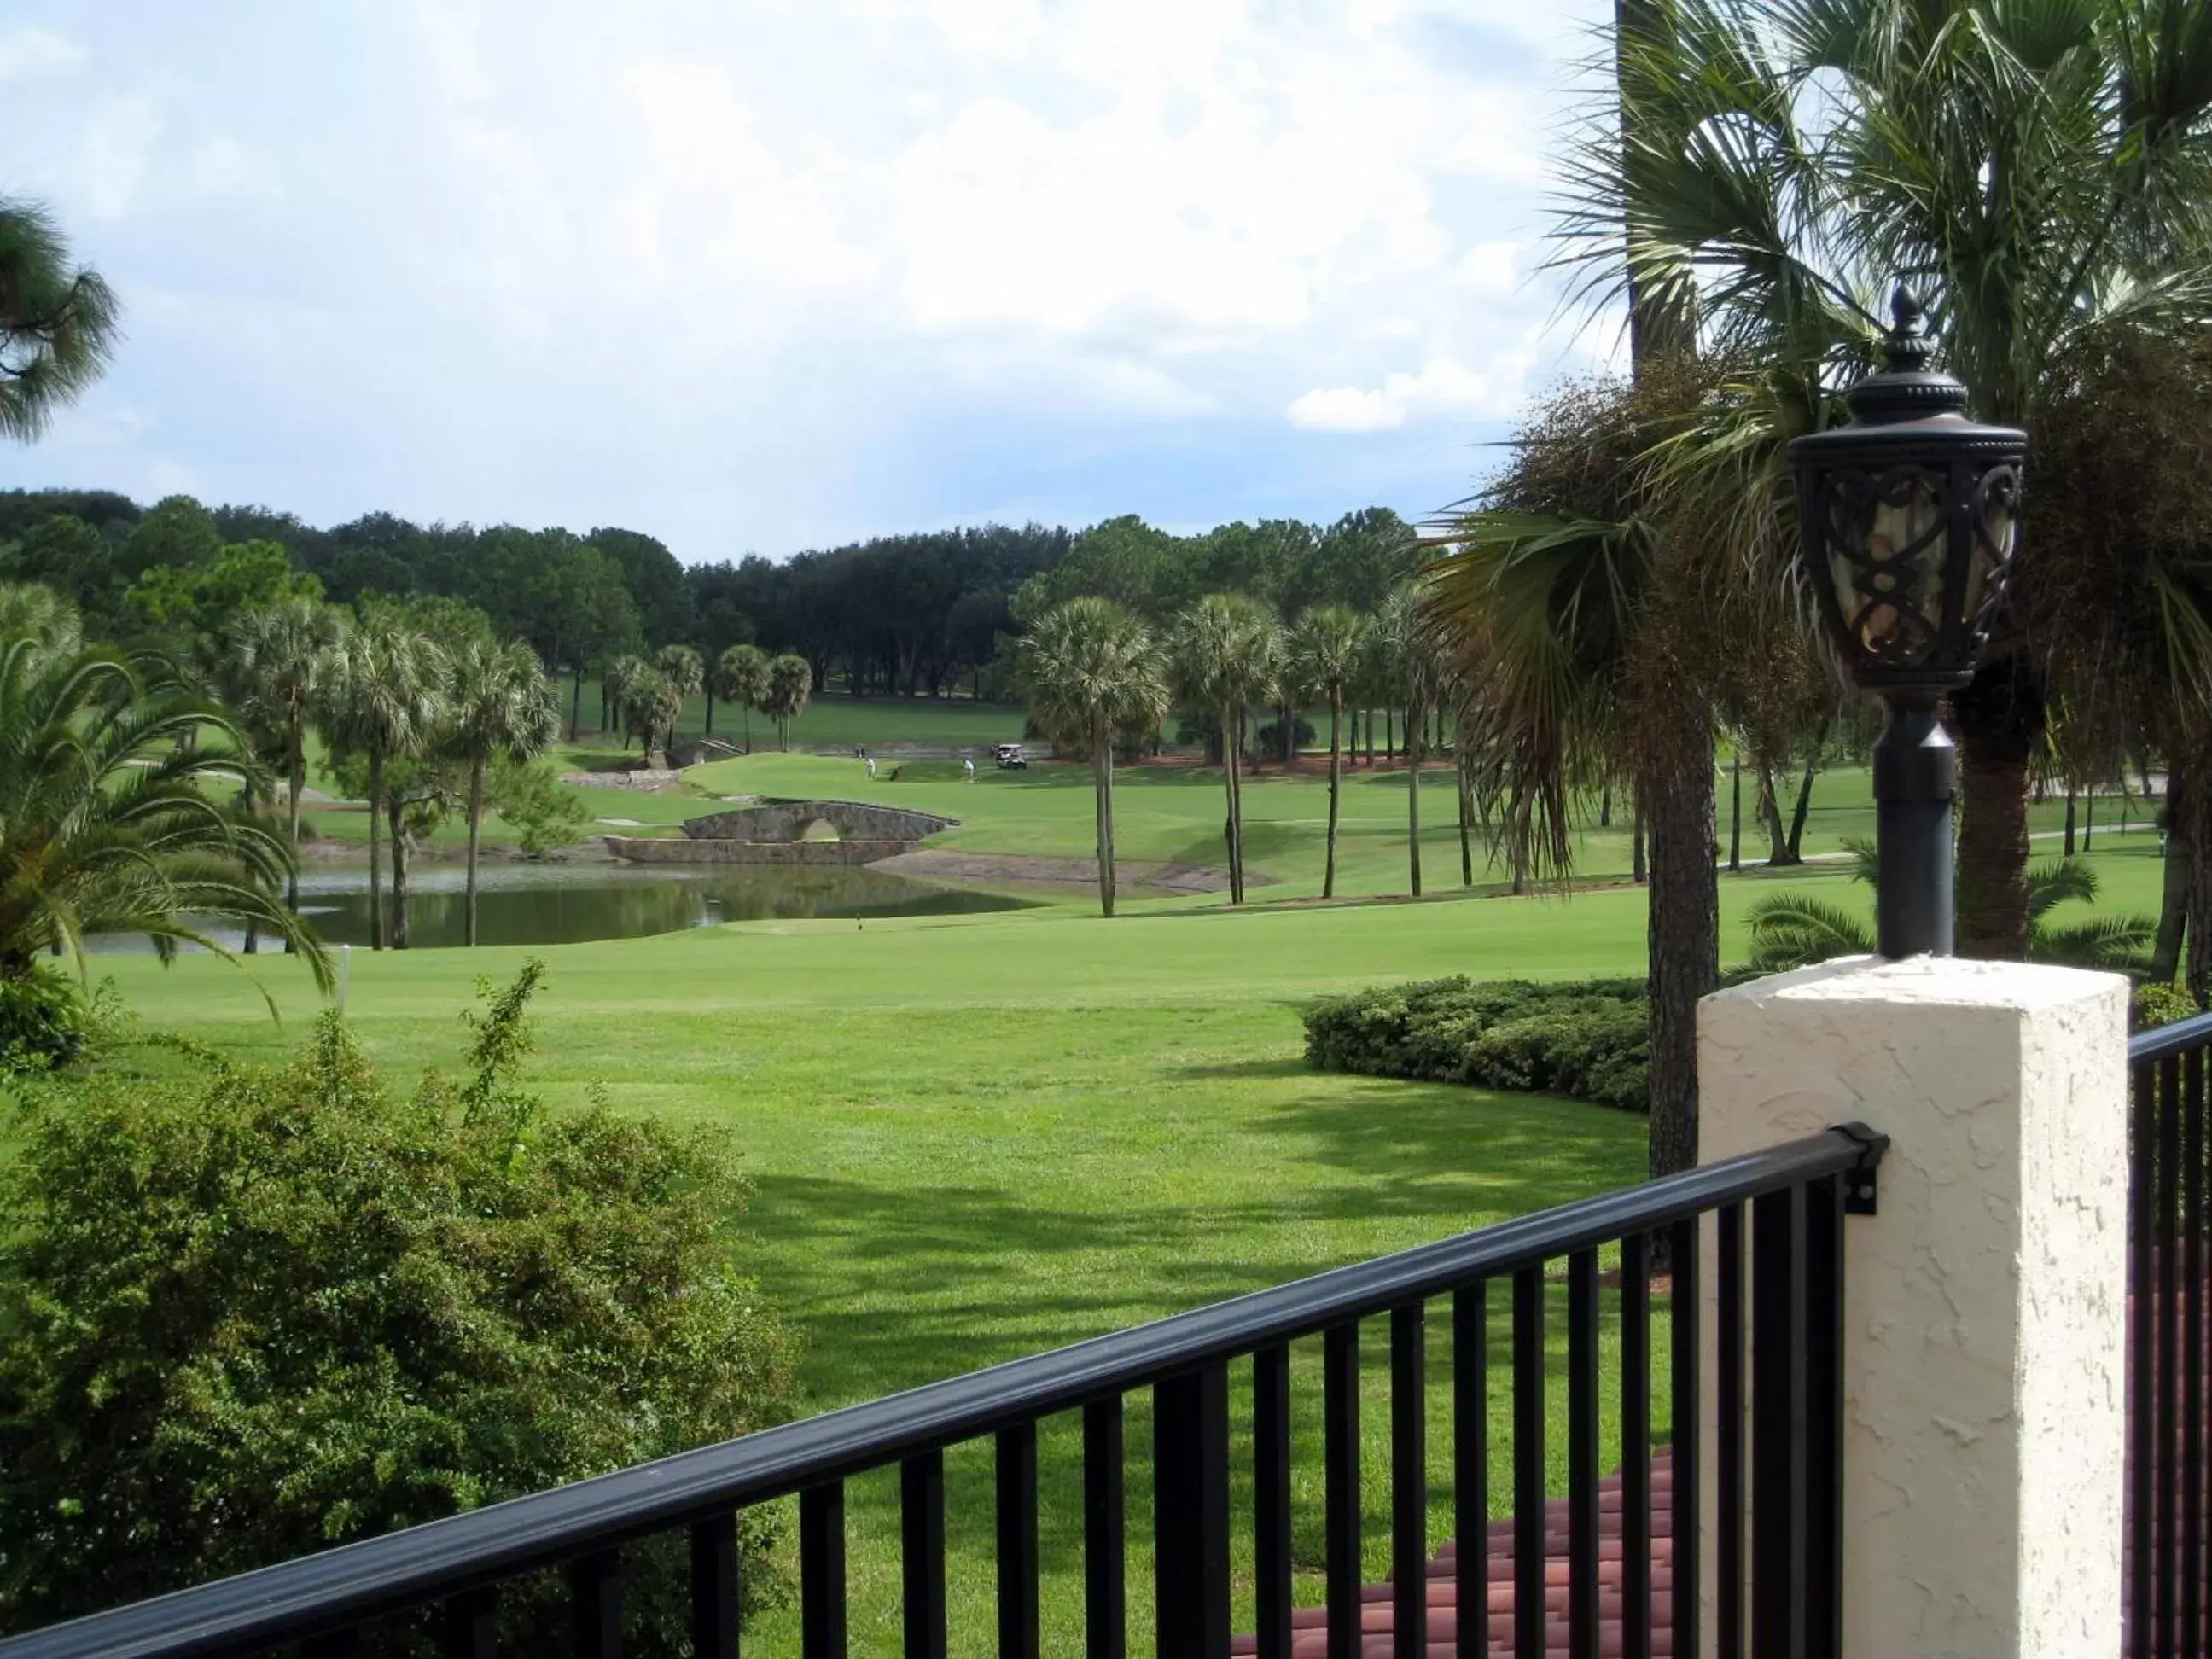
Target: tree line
(920, 615)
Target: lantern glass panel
(1996, 502)
(1885, 559)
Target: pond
(567, 903)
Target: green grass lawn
(974, 1138)
(1176, 813)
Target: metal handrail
(2164, 1042)
(342, 1587)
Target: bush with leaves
(2153, 1005)
(1589, 1039)
(47, 1021)
(255, 1313)
(544, 814)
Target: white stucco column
(1985, 1303)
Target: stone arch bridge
(789, 832)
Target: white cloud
(449, 36)
(30, 50)
(723, 200)
(711, 267)
(1491, 267)
(1439, 385)
(223, 167)
(119, 142)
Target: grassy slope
(977, 1137)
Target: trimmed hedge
(1589, 1039)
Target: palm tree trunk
(1101, 772)
(709, 732)
(1735, 813)
(1770, 813)
(2173, 899)
(2069, 821)
(1466, 811)
(476, 838)
(575, 701)
(1335, 785)
(2088, 816)
(2000, 718)
(297, 779)
(1805, 794)
(1683, 942)
(1605, 806)
(1414, 725)
(252, 929)
(748, 728)
(375, 881)
(1236, 837)
(399, 880)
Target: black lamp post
(1908, 516)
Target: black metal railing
(1775, 1220)
(2168, 1533)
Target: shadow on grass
(891, 1287)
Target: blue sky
(762, 276)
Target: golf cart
(1010, 757)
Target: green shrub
(46, 1022)
(254, 1313)
(544, 814)
(1588, 1039)
(2161, 1004)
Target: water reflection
(565, 904)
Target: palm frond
(1789, 930)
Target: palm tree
(1327, 646)
(2036, 171)
(1589, 640)
(650, 704)
(502, 704)
(687, 674)
(790, 685)
(1092, 670)
(32, 611)
(109, 779)
(1228, 657)
(281, 661)
(387, 694)
(741, 675)
(57, 323)
(614, 682)
(1793, 930)
(1409, 667)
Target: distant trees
(741, 675)
(501, 707)
(57, 320)
(1327, 646)
(1092, 671)
(387, 696)
(649, 702)
(790, 685)
(284, 665)
(1228, 656)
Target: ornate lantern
(1909, 517)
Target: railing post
(1981, 1328)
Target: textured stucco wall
(1984, 1305)
(647, 850)
(788, 821)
